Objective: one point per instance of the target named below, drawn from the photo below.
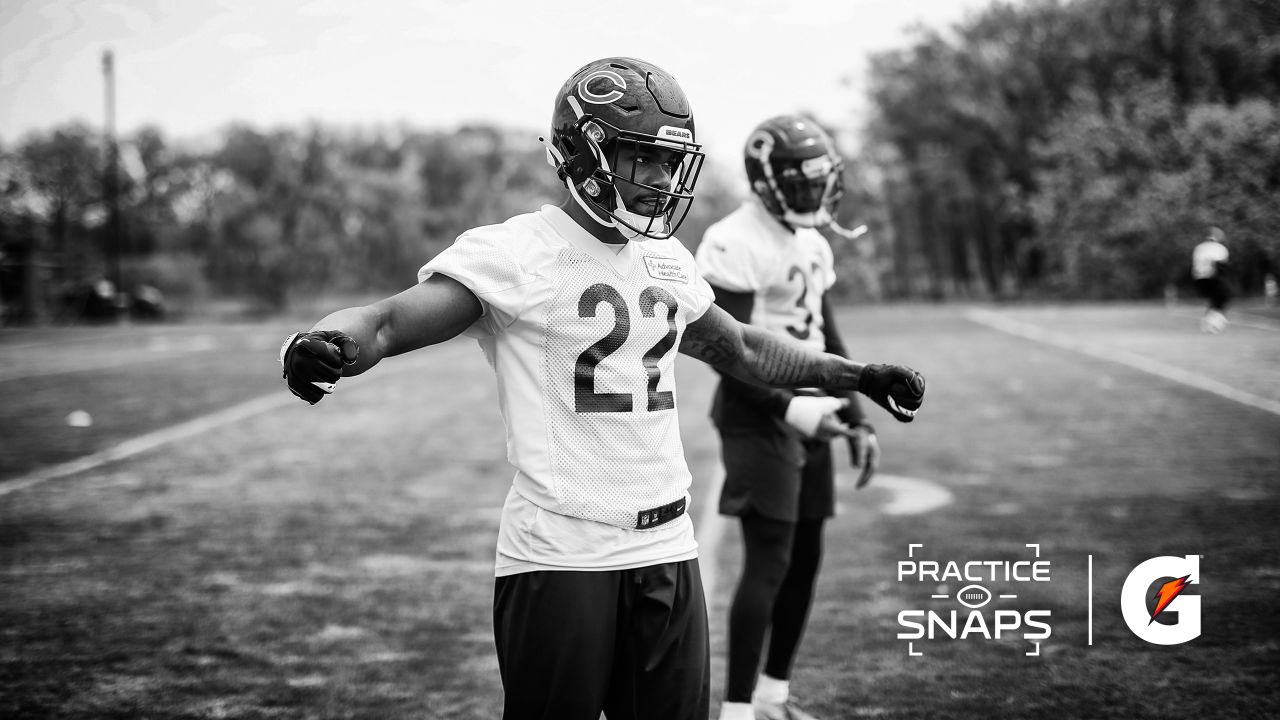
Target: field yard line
(149, 441)
(1008, 325)
(163, 436)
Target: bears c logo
(586, 93)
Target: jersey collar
(618, 260)
(776, 230)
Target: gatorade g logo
(1154, 605)
(606, 78)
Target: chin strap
(628, 223)
(817, 218)
(556, 159)
(845, 232)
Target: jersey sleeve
(827, 261)
(703, 295)
(727, 261)
(484, 261)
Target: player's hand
(812, 415)
(898, 389)
(831, 426)
(864, 451)
(313, 361)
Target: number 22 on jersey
(586, 399)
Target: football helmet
(794, 169)
(618, 105)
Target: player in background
(1208, 270)
(770, 267)
(579, 310)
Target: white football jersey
(1205, 257)
(582, 338)
(749, 251)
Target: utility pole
(111, 177)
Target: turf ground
(212, 548)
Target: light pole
(111, 177)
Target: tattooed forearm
(714, 351)
(776, 361)
(762, 358)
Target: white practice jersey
(750, 252)
(1205, 257)
(582, 338)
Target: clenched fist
(900, 390)
(313, 362)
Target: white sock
(737, 711)
(772, 690)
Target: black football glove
(313, 361)
(900, 390)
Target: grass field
(227, 551)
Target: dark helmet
(794, 169)
(624, 102)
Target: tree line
(1043, 149)
(262, 215)
(1077, 149)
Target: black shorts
(1214, 289)
(630, 643)
(777, 473)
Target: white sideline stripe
(182, 430)
(1123, 357)
(150, 441)
(911, 496)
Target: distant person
(579, 309)
(1208, 270)
(770, 267)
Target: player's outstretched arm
(350, 341)
(763, 358)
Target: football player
(769, 266)
(1208, 272)
(579, 310)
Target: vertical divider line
(1090, 601)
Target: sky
(192, 66)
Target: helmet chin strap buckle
(592, 187)
(818, 218)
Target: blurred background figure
(770, 266)
(1208, 268)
